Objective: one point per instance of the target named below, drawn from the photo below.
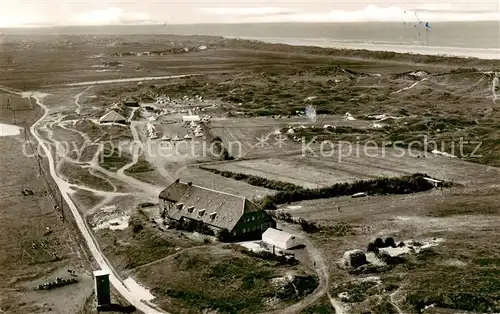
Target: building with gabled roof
(216, 209)
(280, 239)
(112, 117)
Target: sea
(465, 39)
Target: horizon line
(228, 23)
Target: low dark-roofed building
(218, 210)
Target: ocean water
(474, 39)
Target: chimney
(190, 183)
(177, 180)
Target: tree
(389, 242)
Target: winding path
(132, 79)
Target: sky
(26, 13)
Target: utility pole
(62, 209)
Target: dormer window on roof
(179, 206)
(201, 212)
(212, 215)
(190, 209)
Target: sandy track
(127, 80)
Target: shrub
(379, 243)
(402, 185)
(223, 235)
(137, 221)
(255, 180)
(308, 226)
(389, 242)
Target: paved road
(82, 226)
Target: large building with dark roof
(218, 210)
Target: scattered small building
(280, 239)
(436, 183)
(218, 210)
(113, 117)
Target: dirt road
(82, 226)
(322, 272)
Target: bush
(389, 242)
(379, 243)
(223, 235)
(308, 226)
(402, 185)
(137, 223)
(372, 248)
(255, 180)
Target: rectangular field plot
(213, 181)
(314, 170)
(16, 102)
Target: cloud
(378, 14)
(262, 11)
(112, 16)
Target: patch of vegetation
(289, 192)
(141, 166)
(228, 282)
(337, 229)
(265, 255)
(384, 306)
(468, 289)
(191, 225)
(475, 206)
(137, 245)
(322, 306)
(356, 291)
(113, 159)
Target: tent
(280, 239)
(112, 116)
(190, 118)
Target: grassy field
(218, 279)
(139, 245)
(36, 245)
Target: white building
(193, 118)
(113, 117)
(280, 239)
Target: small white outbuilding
(280, 239)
